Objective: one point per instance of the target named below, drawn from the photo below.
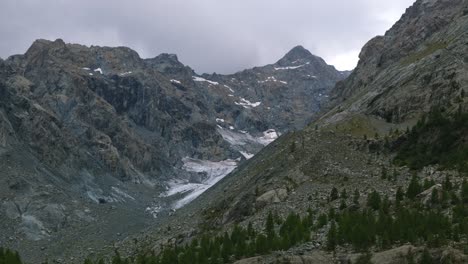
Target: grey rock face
(418, 64)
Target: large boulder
(269, 197)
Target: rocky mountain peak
(297, 55)
(43, 45)
(167, 57)
(169, 64)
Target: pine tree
(426, 257)
(394, 175)
(261, 244)
(293, 147)
(435, 196)
(10, 257)
(322, 220)
(386, 204)
(343, 204)
(356, 197)
(414, 188)
(384, 172)
(332, 237)
(343, 194)
(373, 200)
(250, 230)
(270, 226)
(447, 184)
(464, 192)
(117, 259)
(333, 194)
(399, 194)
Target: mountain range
(107, 155)
(99, 141)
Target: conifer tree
(333, 194)
(426, 257)
(447, 184)
(384, 173)
(399, 195)
(435, 196)
(356, 197)
(343, 204)
(270, 226)
(464, 192)
(373, 200)
(332, 237)
(344, 194)
(414, 187)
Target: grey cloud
(208, 35)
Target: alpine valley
(106, 157)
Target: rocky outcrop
(273, 196)
(418, 64)
(313, 258)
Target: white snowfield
(230, 89)
(268, 136)
(242, 138)
(290, 67)
(272, 79)
(220, 120)
(246, 154)
(175, 81)
(98, 70)
(200, 79)
(215, 172)
(247, 104)
(125, 73)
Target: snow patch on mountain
(230, 89)
(242, 138)
(268, 136)
(247, 104)
(272, 79)
(214, 171)
(290, 67)
(200, 79)
(246, 154)
(125, 73)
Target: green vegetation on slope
(9, 257)
(240, 243)
(381, 224)
(437, 139)
(430, 49)
(405, 220)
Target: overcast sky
(208, 35)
